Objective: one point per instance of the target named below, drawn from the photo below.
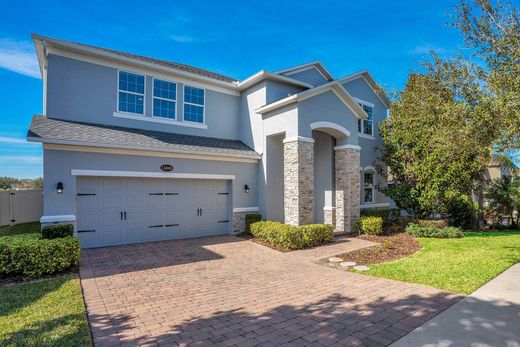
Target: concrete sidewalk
(488, 317)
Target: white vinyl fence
(20, 206)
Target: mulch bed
(391, 247)
(19, 278)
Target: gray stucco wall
(276, 91)
(359, 88)
(87, 92)
(272, 203)
(323, 173)
(326, 107)
(57, 167)
(311, 76)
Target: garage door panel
(111, 218)
(175, 208)
(114, 236)
(89, 221)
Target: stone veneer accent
(329, 217)
(239, 221)
(347, 162)
(298, 170)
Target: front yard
(47, 312)
(458, 265)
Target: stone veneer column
(347, 163)
(298, 170)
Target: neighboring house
(296, 145)
(496, 170)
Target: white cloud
(11, 159)
(425, 49)
(20, 57)
(16, 140)
(185, 39)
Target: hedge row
(33, 256)
(390, 216)
(444, 233)
(369, 225)
(57, 231)
(252, 218)
(291, 237)
(432, 223)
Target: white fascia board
(256, 156)
(113, 56)
(262, 75)
(110, 173)
(277, 104)
(371, 83)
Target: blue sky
(235, 38)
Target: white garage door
(117, 211)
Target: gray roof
(67, 132)
(169, 64)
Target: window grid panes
(131, 93)
(193, 104)
(366, 126)
(164, 99)
(369, 187)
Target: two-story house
(138, 149)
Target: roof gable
(371, 83)
(333, 86)
(316, 66)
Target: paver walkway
(228, 291)
(488, 317)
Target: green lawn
(457, 265)
(49, 312)
(26, 228)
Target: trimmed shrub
(291, 237)
(442, 233)
(57, 231)
(430, 223)
(250, 219)
(30, 255)
(369, 225)
(391, 216)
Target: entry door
(115, 211)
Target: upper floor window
(366, 126)
(369, 187)
(164, 99)
(193, 104)
(131, 93)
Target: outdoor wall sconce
(59, 187)
(246, 188)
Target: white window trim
(362, 132)
(124, 91)
(366, 136)
(373, 187)
(166, 99)
(161, 120)
(190, 103)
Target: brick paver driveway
(229, 291)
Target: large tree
(438, 138)
(446, 122)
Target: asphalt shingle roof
(58, 131)
(169, 64)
